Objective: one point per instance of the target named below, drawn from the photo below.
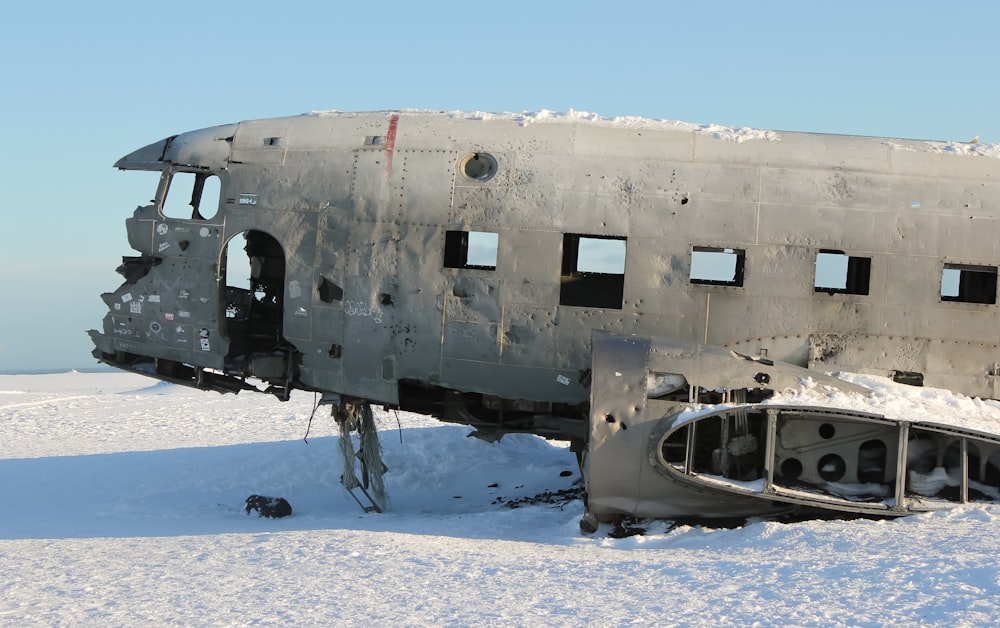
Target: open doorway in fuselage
(253, 270)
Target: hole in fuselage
(791, 468)
(254, 294)
(831, 468)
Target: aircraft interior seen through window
(966, 283)
(839, 273)
(593, 271)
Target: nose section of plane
(148, 157)
(205, 148)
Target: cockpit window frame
(200, 188)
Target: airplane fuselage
(457, 264)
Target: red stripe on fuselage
(390, 142)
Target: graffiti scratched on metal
(457, 264)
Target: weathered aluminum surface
(445, 263)
(364, 201)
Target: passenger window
(966, 283)
(838, 273)
(471, 249)
(191, 195)
(717, 266)
(593, 271)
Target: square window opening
(717, 266)
(593, 271)
(471, 249)
(839, 273)
(965, 283)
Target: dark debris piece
(625, 527)
(272, 507)
(558, 498)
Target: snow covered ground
(123, 506)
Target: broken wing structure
(653, 457)
(458, 264)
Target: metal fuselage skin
(361, 230)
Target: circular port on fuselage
(478, 166)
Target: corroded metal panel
(701, 221)
(802, 224)
(524, 330)
(530, 263)
(473, 300)
(422, 183)
(617, 401)
(471, 341)
(967, 237)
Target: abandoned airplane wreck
(637, 287)
(738, 457)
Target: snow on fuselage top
(716, 131)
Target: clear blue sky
(85, 83)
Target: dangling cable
(311, 415)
